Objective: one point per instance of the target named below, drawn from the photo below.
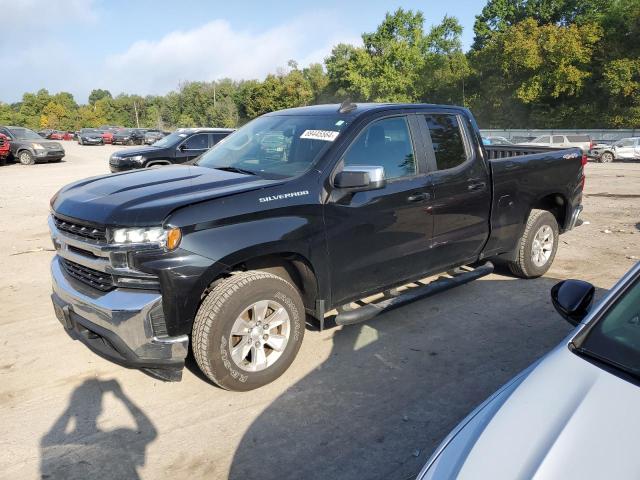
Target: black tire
(130, 142)
(25, 157)
(217, 315)
(524, 265)
(80, 142)
(606, 157)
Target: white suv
(562, 141)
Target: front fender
(235, 243)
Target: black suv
(129, 136)
(28, 147)
(179, 147)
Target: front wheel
(248, 330)
(537, 247)
(606, 157)
(26, 158)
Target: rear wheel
(248, 330)
(606, 157)
(538, 245)
(26, 158)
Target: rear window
(578, 138)
(447, 140)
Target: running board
(371, 310)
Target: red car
(107, 136)
(56, 135)
(4, 148)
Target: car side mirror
(360, 178)
(572, 299)
(182, 147)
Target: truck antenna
(347, 106)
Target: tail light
(591, 144)
(583, 177)
(584, 159)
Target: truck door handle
(472, 187)
(419, 197)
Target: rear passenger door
(462, 190)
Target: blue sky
(149, 47)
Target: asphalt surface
(370, 401)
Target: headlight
(137, 158)
(38, 146)
(166, 238)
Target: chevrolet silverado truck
(296, 213)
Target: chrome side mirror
(572, 299)
(360, 178)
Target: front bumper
(118, 325)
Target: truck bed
(525, 176)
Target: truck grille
(81, 230)
(88, 276)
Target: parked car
(28, 147)
(5, 148)
(90, 136)
(107, 136)
(562, 141)
(152, 136)
(232, 251)
(45, 133)
(179, 147)
(626, 148)
(498, 141)
(129, 136)
(69, 136)
(572, 414)
(56, 135)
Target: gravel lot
(367, 401)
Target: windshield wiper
(236, 170)
(634, 372)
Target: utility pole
(135, 107)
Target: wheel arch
(556, 204)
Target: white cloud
(211, 51)
(216, 50)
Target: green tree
(498, 15)
(529, 73)
(98, 94)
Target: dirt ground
(370, 401)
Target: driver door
(380, 237)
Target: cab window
(447, 140)
(197, 142)
(385, 143)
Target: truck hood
(566, 418)
(147, 197)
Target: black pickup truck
(298, 212)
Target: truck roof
(361, 108)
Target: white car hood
(566, 418)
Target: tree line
(533, 64)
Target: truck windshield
(615, 339)
(276, 146)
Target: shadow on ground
(393, 388)
(77, 448)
